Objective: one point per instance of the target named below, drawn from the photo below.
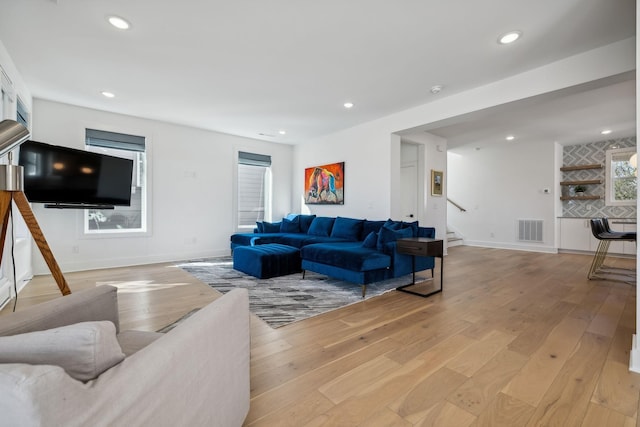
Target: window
(122, 219)
(254, 189)
(3, 99)
(22, 116)
(6, 91)
(621, 178)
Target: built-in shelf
(585, 182)
(580, 197)
(582, 182)
(580, 167)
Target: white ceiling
(255, 67)
(570, 116)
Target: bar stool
(623, 235)
(598, 271)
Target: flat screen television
(68, 178)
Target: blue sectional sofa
(355, 250)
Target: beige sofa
(196, 374)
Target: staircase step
(457, 242)
(453, 239)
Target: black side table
(421, 246)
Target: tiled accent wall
(592, 153)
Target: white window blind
(253, 188)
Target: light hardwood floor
(516, 339)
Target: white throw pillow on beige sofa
(84, 350)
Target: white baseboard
(591, 253)
(511, 246)
(68, 267)
(634, 356)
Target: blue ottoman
(265, 261)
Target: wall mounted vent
(530, 230)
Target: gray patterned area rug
(286, 299)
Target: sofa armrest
(197, 374)
(99, 303)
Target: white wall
(372, 173)
(371, 151)
(193, 173)
(366, 185)
(433, 212)
(435, 209)
(498, 185)
(21, 90)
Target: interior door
(409, 197)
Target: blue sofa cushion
(387, 236)
(268, 227)
(347, 228)
(350, 256)
(259, 227)
(322, 239)
(393, 225)
(297, 240)
(305, 222)
(371, 241)
(290, 225)
(413, 226)
(369, 226)
(321, 226)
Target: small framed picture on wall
(437, 181)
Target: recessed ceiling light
(107, 94)
(119, 23)
(606, 132)
(510, 138)
(282, 132)
(509, 37)
(436, 89)
(348, 105)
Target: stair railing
(456, 205)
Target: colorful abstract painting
(324, 185)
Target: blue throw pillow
(429, 232)
(371, 241)
(347, 228)
(413, 226)
(305, 222)
(369, 226)
(388, 235)
(290, 225)
(268, 227)
(260, 227)
(321, 226)
(385, 236)
(404, 233)
(393, 225)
